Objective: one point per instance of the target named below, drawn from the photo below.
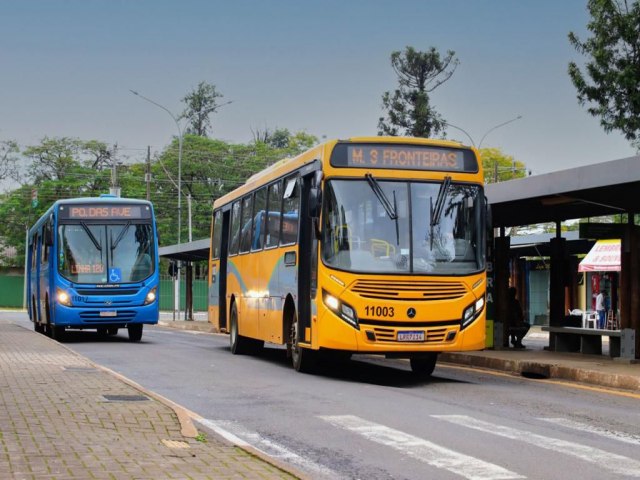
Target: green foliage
(611, 84)
(408, 109)
(67, 168)
(499, 167)
(8, 159)
(200, 104)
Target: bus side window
(272, 226)
(34, 255)
(234, 233)
(259, 208)
(216, 240)
(245, 232)
(290, 211)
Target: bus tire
(135, 331)
(239, 344)
(112, 330)
(57, 333)
(102, 331)
(37, 326)
(304, 359)
(424, 365)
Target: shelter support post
(630, 282)
(557, 282)
(501, 286)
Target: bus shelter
(608, 188)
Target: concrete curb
(546, 370)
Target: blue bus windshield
(89, 253)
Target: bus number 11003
(379, 311)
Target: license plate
(109, 314)
(411, 336)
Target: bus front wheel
(424, 365)
(303, 359)
(57, 333)
(135, 331)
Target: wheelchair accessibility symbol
(115, 275)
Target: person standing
(600, 310)
(518, 328)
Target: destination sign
(104, 212)
(404, 157)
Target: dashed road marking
(583, 427)
(608, 461)
(423, 450)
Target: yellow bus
(370, 245)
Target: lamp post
(495, 172)
(179, 186)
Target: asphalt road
(371, 419)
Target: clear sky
(319, 66)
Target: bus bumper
(83, 317)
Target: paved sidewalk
(63, 417)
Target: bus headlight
(341, 309)
(63, 297)
(151, 296)
(472, 312)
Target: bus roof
(286, 165)
(80, 200)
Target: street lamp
(495, 173)
(179, 185)
(176, 307)
(486, 133)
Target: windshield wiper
(392, 210)
(93, 239)
(122, 232)
(436, 211)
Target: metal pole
(176, 305)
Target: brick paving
(62, 417)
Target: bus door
(43, 261)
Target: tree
(613, 69)
(200, 104)
(499, 167)
(408, 109)
(8, 160)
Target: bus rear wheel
(239, 344)
(303, 359)
(424, 365)
(135, 331)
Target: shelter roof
(602, 189)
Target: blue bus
(92, 263)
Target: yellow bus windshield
(400, 230)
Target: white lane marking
(423, 450)
(608, 461)
(242, 437)
(609, 434)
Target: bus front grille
(409, 290)
(107, 291)
(93, 316)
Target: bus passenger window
(234, 240)
(245, 231)
(259, 207)
(272, 227)
(216, 241)
(290, 211)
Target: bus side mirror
(315, 202)
(488, 214)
